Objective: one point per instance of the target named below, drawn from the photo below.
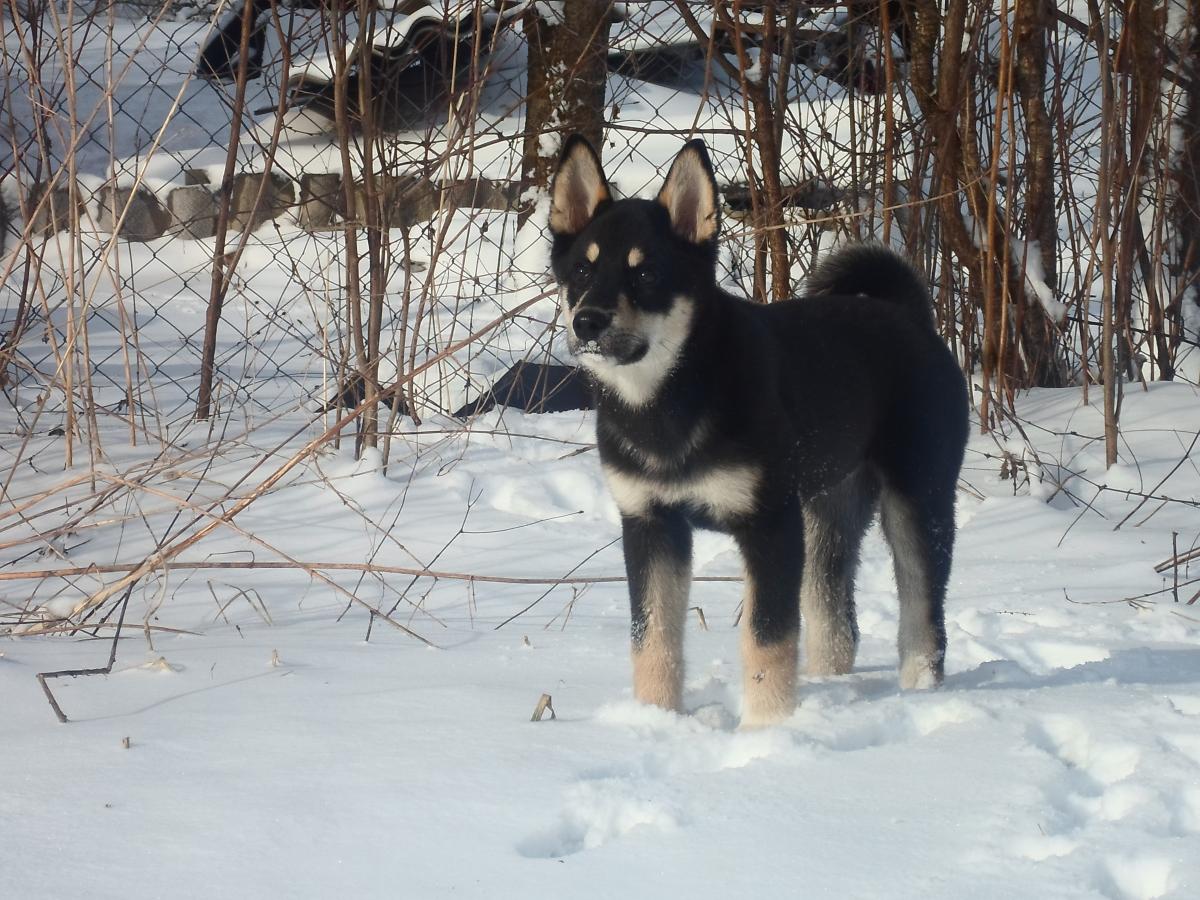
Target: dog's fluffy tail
(874, 271)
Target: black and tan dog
(785, 425)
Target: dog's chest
(676, 465)
(722, 493)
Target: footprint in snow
(850, 726)
(1185, 704)
(1091, 785)
(1135, 877)
(1099, 763)
(1185, 815)
(1186, 743)
(638, 793)
(596, 812)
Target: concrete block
(193, 211)
(144, 217)
(247, 210)
(321, 200)
(55, 214)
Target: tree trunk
(771, 236)
(1036, 331)
(1185, 306)
(568, 50)
(220, 278)
(1013, 354)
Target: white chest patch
(637, 383)
(724, 493)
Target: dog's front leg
(773, 552)
(658, 562)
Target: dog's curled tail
(872, 270)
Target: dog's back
(852, 373)
(871, 270)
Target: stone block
(321, 200)
(405, 200)
(248, 210)
(144, 217)
(481, 193)
(55, 214)
(193, 211)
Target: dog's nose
(589, 323)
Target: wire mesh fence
(333, 214)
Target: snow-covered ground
(273, 750)
(282, 732)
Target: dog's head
(630, 271)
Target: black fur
(839, 401)
(871, 270)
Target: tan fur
(636, 257)
(920, 657)
(829, 646)
(769, 673)
(688, 196)
(828, 650)
(658, 661)
(593, 251)
(726, 492)
(578, 189)
(918, 673)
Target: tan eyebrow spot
(636, 256)
(593, 251)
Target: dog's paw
(759, 715)
(920, 673)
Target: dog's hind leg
(658, 562)
(834, 524)
(920, 530)
(773, 553)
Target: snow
(753, 72)
(531, 256)
(1189, 356)
(276, 750)
(552, 12)
(657, 25)
(287, 736)
(1028, 255)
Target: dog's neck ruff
(637, 384)
(657, 459)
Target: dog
(786, 425)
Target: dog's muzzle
(589, 324)
(595, 336)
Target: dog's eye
(647, 276)
(582, 273)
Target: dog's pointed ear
(690, 194)
(579, 187)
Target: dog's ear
(690, 194)
(579, 187)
